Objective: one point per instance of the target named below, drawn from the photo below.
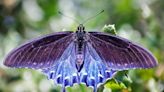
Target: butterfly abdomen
(79, 49)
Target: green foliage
(115, 85)
(138, 20)
(110, 29)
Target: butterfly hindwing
(64, 72)
(119, 53)
(94, 71)
(39, 53)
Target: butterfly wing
(94, 71)
(39, 53)
(121, 54)
(64, 72)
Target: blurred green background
(141, 21)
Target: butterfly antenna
(68, 17)
(92, 17)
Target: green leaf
(115, 85)
(110, 29)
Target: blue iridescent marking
(64, 70)
(93, 72)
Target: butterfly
(80, 57)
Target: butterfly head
(80, 28)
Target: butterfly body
(80, 41)
(80, 57)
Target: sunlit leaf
(115, 85)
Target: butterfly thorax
(80, 41)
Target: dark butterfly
(80, 57)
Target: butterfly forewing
(119, 53)
(40, 53)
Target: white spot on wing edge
(34, 63)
